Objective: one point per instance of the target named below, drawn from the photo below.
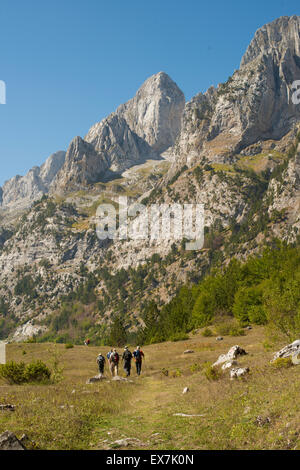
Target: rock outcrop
(83, 165)
(20, 191)
(232, 354)
(97, 378)
(239, 372)
(26, 331)
(8, 441)
(289, 350)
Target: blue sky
(69, 63)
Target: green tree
(118, 334)
(248, 306)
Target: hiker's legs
(111, 368)
(116, 369)
(127, 367)
(138, 367)
(101, 369)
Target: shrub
(195, 368)
(229, 328)
(13, 372)
(282, 363)
(211, 373)
(175, 373)
(19, 373)
(69, 346)
(207, 332)
(157, 339)
(37, 371)
(236, 331)
(267, 346)
(178, 337)
(223, 329)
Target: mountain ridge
(236, 151)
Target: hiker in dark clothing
(126, 358)
(101, 363)
(138, 356)
(114, 363)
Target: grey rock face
(140, 129)
(255, 104)
(8, 441)
(19, 192)
(154, 114)
(284, 195)
(83, 164)
(122, 147)
(51, 167)
(280, 35)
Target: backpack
(127, 356)
(114, 357)
(100, 360)
(108, 354)
(137, 355)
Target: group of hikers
(113, 359)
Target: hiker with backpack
(101, 363)
(114, 362)
(108, 354)
(138, 356)
(126, 358)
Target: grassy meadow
(261, 411)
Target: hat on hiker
(138, 347)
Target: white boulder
(289, 350)
(232, 354)
(239, 372)
(229, 364)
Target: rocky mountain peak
(278, 36)
(155, 112)
(142, 128)
(254, 105)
